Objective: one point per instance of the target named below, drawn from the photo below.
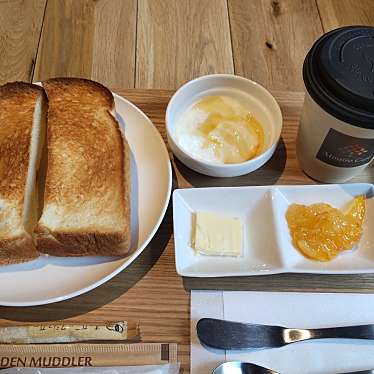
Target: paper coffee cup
(336, 134)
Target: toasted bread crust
(87, 192)
(19, 90)
(17, 249)
(71, 244)
(17, 105)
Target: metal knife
(222, 334)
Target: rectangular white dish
(267, 246)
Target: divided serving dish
(267, 246)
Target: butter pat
(217, 235)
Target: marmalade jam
(321, 231)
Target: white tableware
(251, 95)
(267, 245)
(304, 309)
(50, 279)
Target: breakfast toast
(23, 108)
(87, 191)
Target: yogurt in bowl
(219, 129)
(223, 125)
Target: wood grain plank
(114, 42)
(20, 28)
(271, 38)
(66, 44)
(89, 39)
(180, 40)
(337, 13)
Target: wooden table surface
(150, 290)
(163, 43)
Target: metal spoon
(237, 367)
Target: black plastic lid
(338, 73)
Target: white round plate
(51, 279)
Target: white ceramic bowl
(250, 94)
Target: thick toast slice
(23, 108)
(87, 191)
